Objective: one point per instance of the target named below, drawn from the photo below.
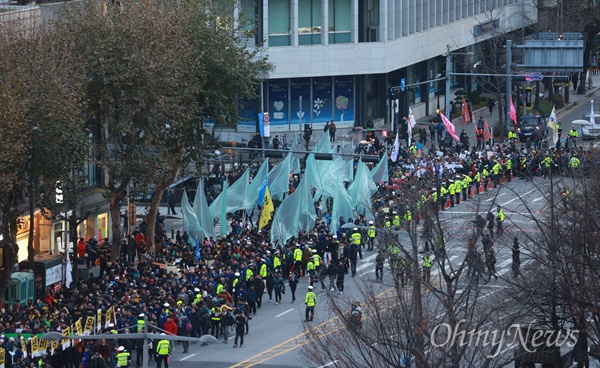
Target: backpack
(188, 327)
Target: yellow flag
(99, 320)
(265, 214)
(34, 347)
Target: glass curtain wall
(340, 21)
(309, 22)
(279, 23)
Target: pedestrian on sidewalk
(432, 130)
(491, 104)
(332, 129)
(171, 202)
(516, 258)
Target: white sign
(54, 274)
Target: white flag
(552, 124)
(411, 119)
(394, 155)
(68, 268)
(592, 117)
(411, 124)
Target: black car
(530, 125)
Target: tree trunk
(417, 312)
(115, 217)
(161, 186)
(11, 250)
(30, 249)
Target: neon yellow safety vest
(396, 220)
(297, 254)
(356, 237)
(427, 262)
(163, 347)
(140, 325)
(371, 231)
(276, 262)
(263, 270)
(311, 299)
(316, 260)
(500, 215)
(310, 266)
(123, 359)
(249, 274)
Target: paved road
(277, 332)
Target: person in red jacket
(171, 326)
(81, 248)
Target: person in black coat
(341, 272)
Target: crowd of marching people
(220, 289)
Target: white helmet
(121, 348)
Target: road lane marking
(520, 196)
(186, 358)
(328, 364)
(287, 311)
(537, 199)
(364, 265)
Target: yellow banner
(34, 347)
(89, 325)
(99, 320)
(43, 346)
(53, 346)
(109, 316)
(66, 342)
(78, 327)
(24, 345)
(2, 358)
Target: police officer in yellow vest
(123, 358)
(573, 135)
(485, 174)
(451, 192)
(163, 349)
(499, 220)
(477, 180)
(298, 260)
(356, 237)
(310, 301)
(141, 324)
(512, 136)
(574, 164)
(427, 264)
(396, 220)
(508, 166)
(371, 233)
(443, 196)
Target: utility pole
(448, 111)
(508, 80)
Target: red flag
(486, 130)
(449, 126)
(465, 112)
(513, 112)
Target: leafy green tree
(155, 73)
(41, 131)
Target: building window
(309, 22)
(279, 23)
(340, 21)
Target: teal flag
(190, 221)
(223, 213)
(361, 189)
(296, 213)
(253, 191)
(342, 207)
(380, 171)
(202, 212)
(279, 178)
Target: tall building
(337, 59)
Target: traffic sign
(266, 117)
(403, 84)
(533, 77)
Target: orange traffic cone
(490, 185)
(448, 204)
(511, 175)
